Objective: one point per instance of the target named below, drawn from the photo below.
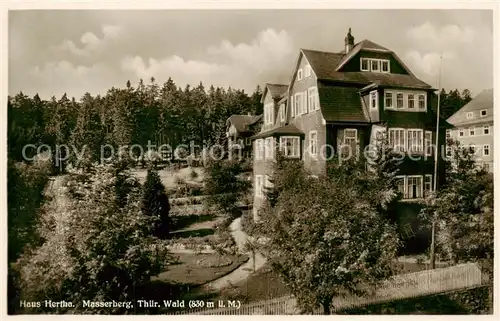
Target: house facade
(337, 103)
(473, 126)
(239, 130)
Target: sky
(52, 52)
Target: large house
(473, 126)
(339, 101)
(239, 130)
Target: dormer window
(299, 74)
(399, 100)
(375, 65)
(411, 101)
(470, 115)
(385, 65)
(483, 112)
(365, 64)
(421, 101)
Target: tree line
(159, 114)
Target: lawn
(198, 269)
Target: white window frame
(377, 62)
(297, 101)
(373, 95)
(486, 147)
(259, 149)
(472, 131)
(485, 113)
(419, 147)
(259, 185)
(307, 71)
(299, 74)
(486, 129)
(312, 98)
(470, 115)
(408, 186)
(400, 148)
(382, 61)
(367, 63)
(291, 106)
(388, 94)
(461, 132)
(282, 112)
(424, 96)
(268, 148)
(347, 140)
(269, 114)
(313, 143)
(428, 143)
(402, 101)
(412, 100)
(304, 103)
(428, 180)
(295, 152)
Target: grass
(188, 272)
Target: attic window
(385, 65)
(483, 112)
(375, 65)
(299, 74)
(470, 115)
(364, 64)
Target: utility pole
(432, 254)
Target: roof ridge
(322, 51)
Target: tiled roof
(241, 122)
(324, 65)
(482, 101)
(289, 129)
(340, 103)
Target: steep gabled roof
(363, 45)
(324, 65)
(340, 103)
(242, 122)
(289, 129)
(482, 101)
(277, 91)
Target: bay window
(388, 100)
(411, 101)
(399, 100)
(421, 101)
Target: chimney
(349, 41)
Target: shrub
(155, 203)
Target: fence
(458, 277)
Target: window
(448, 134)
(282, 112)
(292, 105)
(308, 71)
(312, 96)
(415, 143)
(399, 100)
(269, 114)
(299, 74)
(364, 64)
(427, 184)
(269, 148)
(397, 139)
(470, 115)
(388, 100)
(461, 132)
(304, 102)
(411, 101)
(472, 131)
(421, 101)
(373, 99)
(486, 150)
(414, 189)
(400, 184)
(259, 149)
(385, 65)
(375, 65)
(313, 143)
(259, 185)
(296, 100)
(351, 139)
(483, 112)
(473, 149)
(486, 129)
(290, 146)
(428, 143)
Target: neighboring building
(335, 100)
(473, 126)
(240, 129)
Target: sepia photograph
(243, 161)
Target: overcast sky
(52, 52)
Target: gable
(354, 64)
